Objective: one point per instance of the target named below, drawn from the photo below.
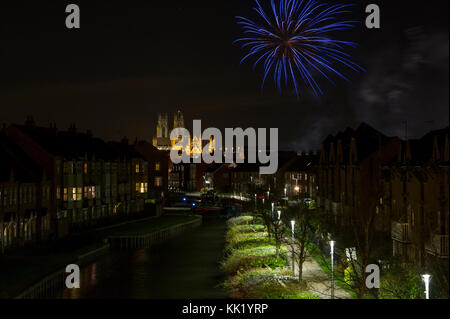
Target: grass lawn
(148, 226)
(253, 271)
(324, 263)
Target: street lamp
(426, 279)
(273, 208)
(298, 193)
(332, 242)
(293, 258)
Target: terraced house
(24, 198)
(350, 174)
(91, 180)
(416, 198)
(393, 187)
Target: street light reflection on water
(186, 266)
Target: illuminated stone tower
(162, 128)
(162, 140)
(178, 119)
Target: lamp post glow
(426, 279)
(293, 258)
(279, 215)
(273, 209)
(332, 268)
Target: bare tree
(277, 231)
(301, 215)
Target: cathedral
(162, 139)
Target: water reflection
(186, 266)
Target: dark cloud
(406, 84)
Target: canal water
(186, 266)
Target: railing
(400, 232)
(438, 245)
(51, 284)
(147, 240)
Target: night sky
(133, 59)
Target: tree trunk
(300, 271)
(277, 250)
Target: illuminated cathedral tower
(162, 128)
(178, 119)
(162, 139)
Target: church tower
(178, 119)
(162, 128)
(161, 141)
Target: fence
(146, 241)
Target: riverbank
(147, 235)
(181, 267)
(24, 269)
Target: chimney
(72, 128)
(53, 127)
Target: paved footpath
(318, 281)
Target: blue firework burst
(294, 42)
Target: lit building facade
(91, 180)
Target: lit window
(137, 187)
(157, 166)
(158, 181)
(79, 193)
(85, 193)
(93, 192)
(74, 193)
(143, 188)
(65, 194)
(85, 168)
(137, 168)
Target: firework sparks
(294, 42)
